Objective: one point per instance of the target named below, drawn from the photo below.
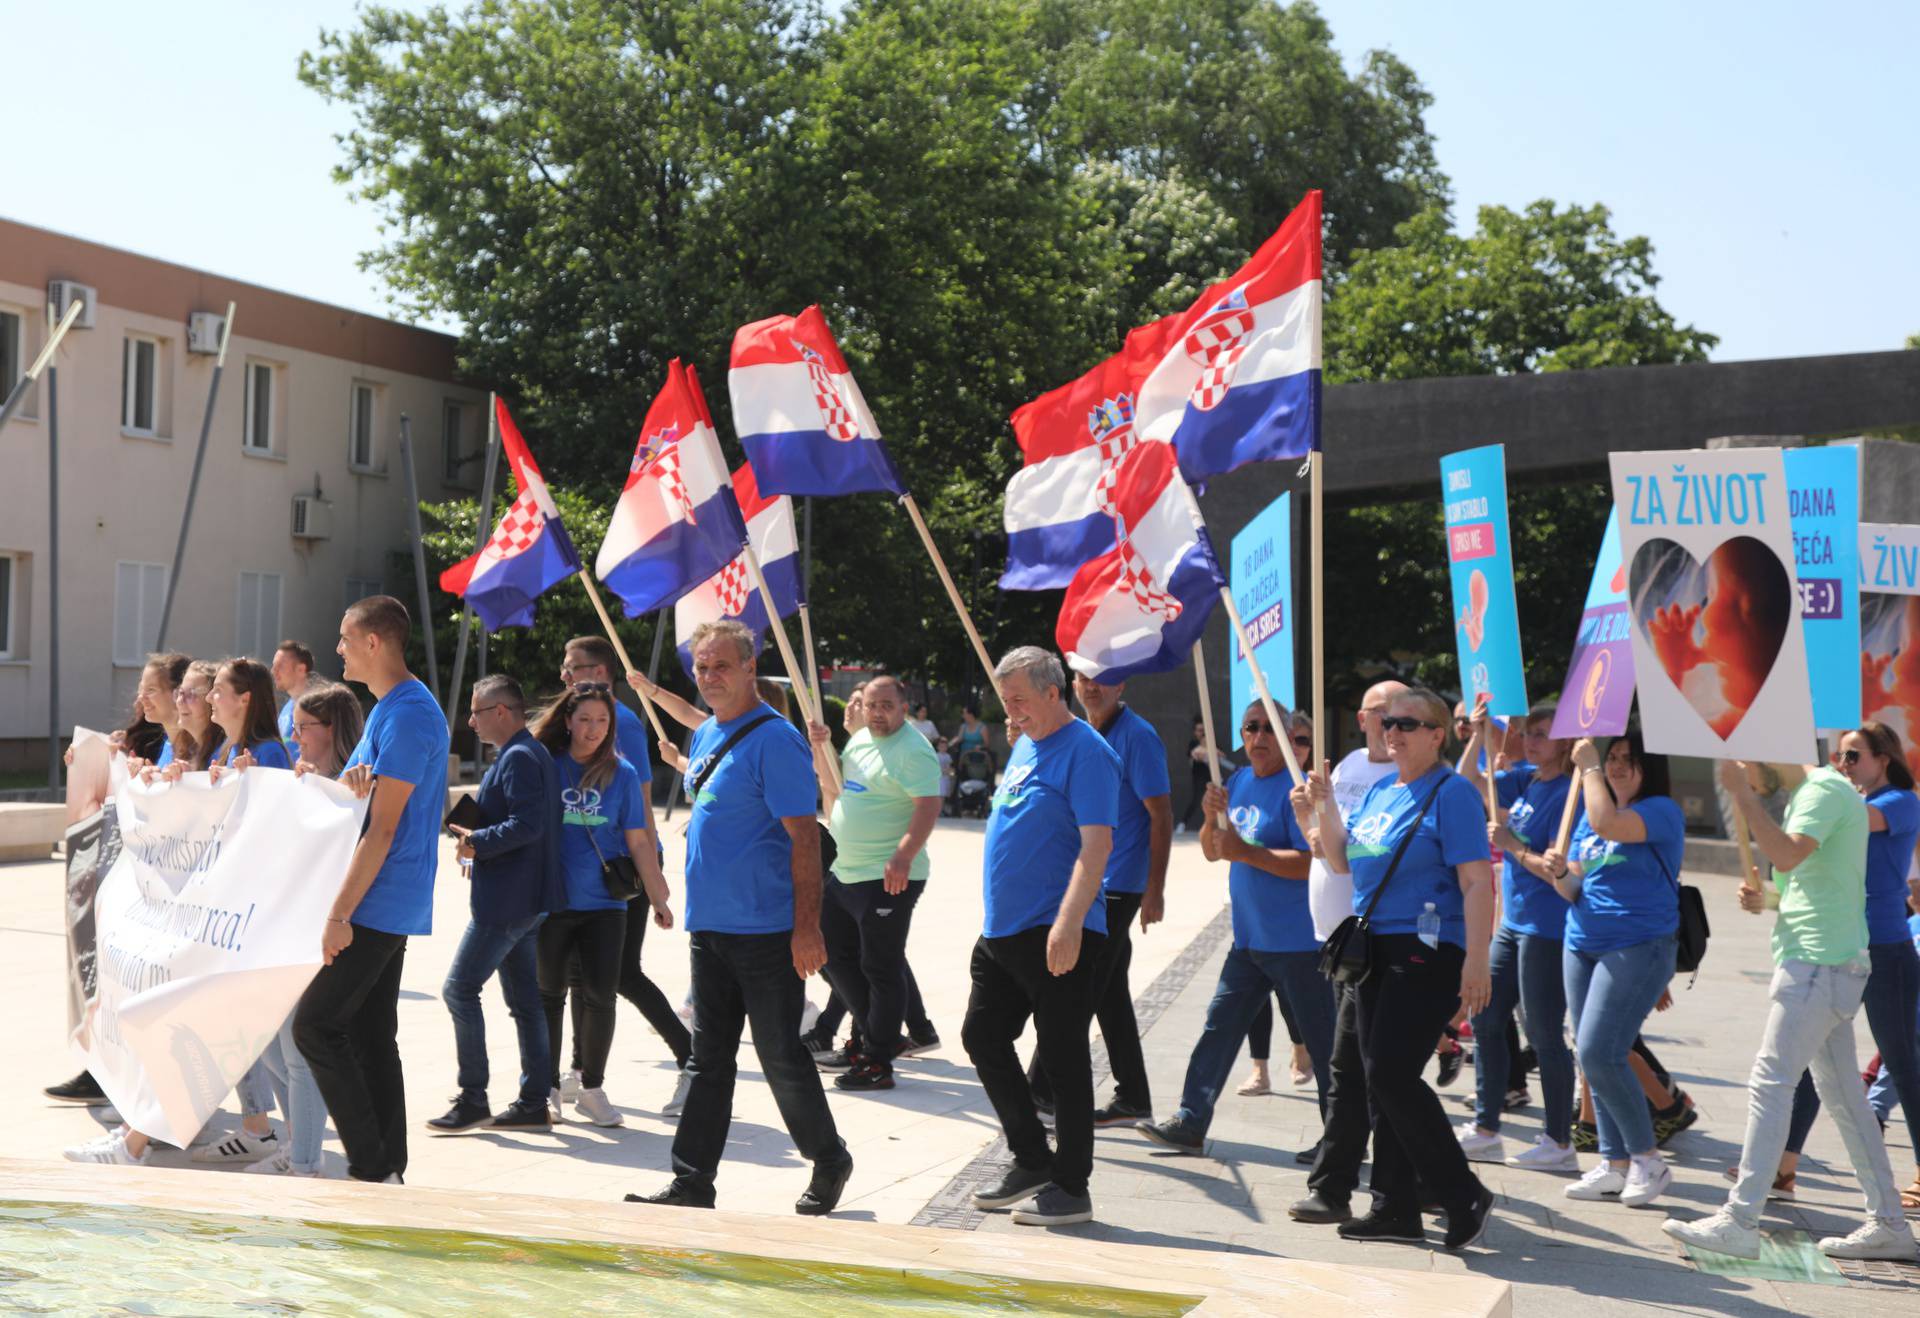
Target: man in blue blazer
(516, 880)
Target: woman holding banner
(1623, 877)
(1525, 963)
(240, 703)
(193, 737)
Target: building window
(453, 443)
(7, 593)
(11, 346)
(140, 385)
(139, 593)
(256, 615)
(257, 434)
(360, 421)
(359, 588)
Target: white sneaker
(1546, 1156)
(238, 1147)
(554, 1110)
(276, 1163)
(1480, 1147)
(1647, 1179)
(593, 1105)
(1602, 1182)
(808, 1015)
(570, 1087)
(110, 1149)
(1719, 1234)
(1875, 1240)
(679, 1100)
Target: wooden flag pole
(813, 664)
(626, 663)
(1745, 845)
(1316, 559)
(485, 526)
(802, 693)
(946, 579)
(1206, 717)
(1567, 813)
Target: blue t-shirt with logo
(1889, 854)
(1052, 788)
(1143, 775)
(406, 740)
(1270, 914)
(266, 755)
(595, 816)
(1629, 891)
(286, 724)
(1528, 903)
(630, 739)
(739, 854)
(1452, 833)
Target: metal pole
(25, 382)
(193, 481)
(419, 549)
(53, 573)
(479, 543)
(659, 639)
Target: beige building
(302, 501)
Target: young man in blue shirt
(347, 1022)
(1048, 840)
(753, 914)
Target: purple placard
(1598, 698)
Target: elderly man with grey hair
(1047, 844)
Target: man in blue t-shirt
(1134, 885)
(753, 914)
(347, 1022)
(292, 670)
(1048, 840)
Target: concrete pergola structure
(1384, 443)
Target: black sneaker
(1319, 1210)
(462, 1118)
(1174, 1133)
(840, 1059)
(914, 1045)
(1044, 1108)
(867, 1073)
(1055, 1207)
(675, 1195)
(820, 1047)
(1466, 1227)
(1117, 1113)
(1019, 1183)
(1307, 1156)
(1517, 1098)
(823, 1192)
(1672, 1121)
(1375, 1226)
(1450, 1064)
(1586, 1137)
(522, 1115)
(82, 1089)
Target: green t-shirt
(883, 776)
(1823, 904)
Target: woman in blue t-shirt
(1623, 878)
(1423, 965)
(1525, 962)
(602, 815)
(246, 725)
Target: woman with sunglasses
(1422, 965)
(1622, 877)
(1527, 948)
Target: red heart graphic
(1716, 632)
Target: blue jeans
(509, 950)
(1611, 995)
(1528, 971)
(1245, 980)
(1891, 1002)
(300, 1100)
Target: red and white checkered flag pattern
(1137, 579)
(1216, 344)
(836, 418)
(672, 485)
(731, 588)
(1111, 425)
(518, 528)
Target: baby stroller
(972, 784)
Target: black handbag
(1347, 955)
(1690, 940)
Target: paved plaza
(920, 1146)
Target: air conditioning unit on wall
(63, 293)
(312, 517)
(204, 329)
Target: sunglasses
(590, 688)
(1251, 727)
(1849, 757)
(1403, 723)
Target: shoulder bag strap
(1405, 840)
(570, 773)
(732, 740)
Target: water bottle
(1428, 926)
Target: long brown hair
(333, 705)
(550, 730)
(1881, 741)
(252, 679)
(145, 736)
(194, 752)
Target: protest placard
(1598, 698)
(1261, 578)
(1487, 617)
(1823, 500)
(1890, 630)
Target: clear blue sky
(1765, 148)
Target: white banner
(1707, 539)
(208, 928)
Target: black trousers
(1113, 1008)
(596, 937)
(636, 988)
(1011, 982)
(865, 928)
(347, 1027)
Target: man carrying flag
(528, 552)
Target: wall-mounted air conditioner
(63, 293)
(204, 329)
(312, 517)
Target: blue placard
(1261, 578)
(1823, 499)
(1486, 615)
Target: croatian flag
(1059, 506)
(1239, 381)
(1140, 606)
(528, 552)
(676, 523)
(805, 426)
(729, 593)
